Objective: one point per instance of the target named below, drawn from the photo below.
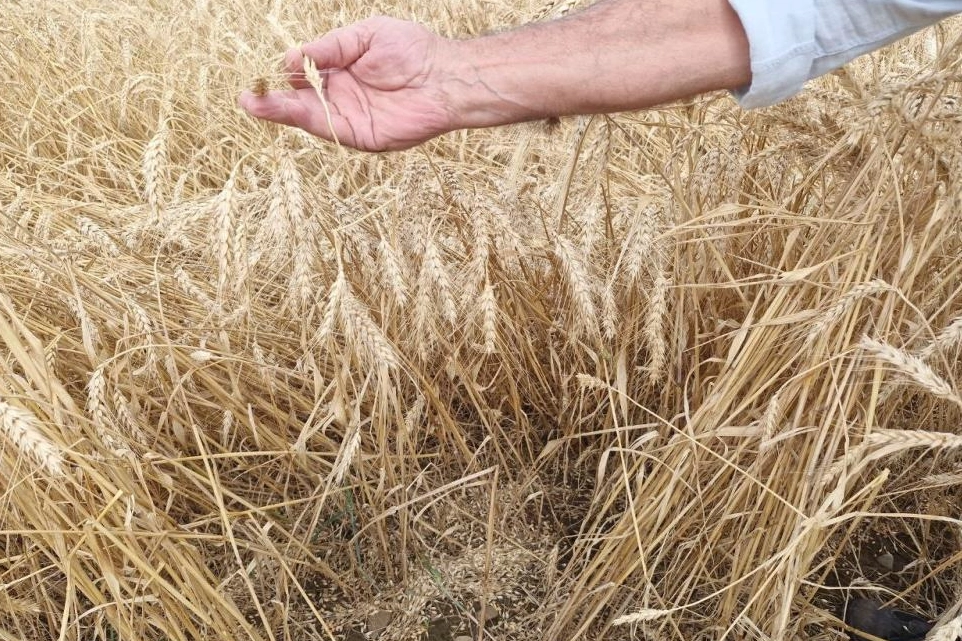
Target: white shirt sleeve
(793, 41)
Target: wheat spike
(583, 317)
(912, 368)
(434, 278)
(332, 308)
(842, 305)
(949, 337)
(488, 310)
(223, 228)
(641, 616)
(301, 289)
(390, 265)
(22, 428)
(556, 9)
(655, 326)
(357, 323)
(347, 452)
(154, 168)
(190, 288)
(609, 311)
(92, 231)
(640, 247)
(97, 400)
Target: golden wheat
(535, 361)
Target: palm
(384, 98)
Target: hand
(382, 84)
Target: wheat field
(690, 373)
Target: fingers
(276, 106)
(289, 108)
(336, 49)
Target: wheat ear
(22, 427)
(912, 368)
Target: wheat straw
(319, 356)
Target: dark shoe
(870, 617)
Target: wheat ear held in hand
(314, 78)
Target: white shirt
(792, 41)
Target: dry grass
(660, 375)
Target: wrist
(483, 84)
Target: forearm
(617, 55)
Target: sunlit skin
(381, 85)
(391, 84)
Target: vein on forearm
(614, 56)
